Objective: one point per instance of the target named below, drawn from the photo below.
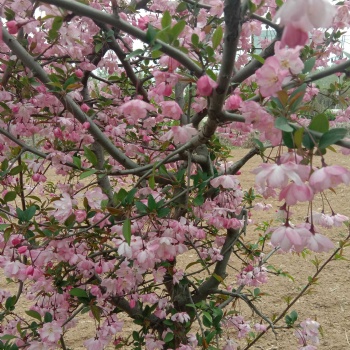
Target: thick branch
(102, 17)
(113, 45)
(67, 101)
(212, 283)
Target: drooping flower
(205, 86)
(226, 181)
(301, 16)
(329, 177)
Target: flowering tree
(115, 121)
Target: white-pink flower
(95, 197)
(135, 109)
(294, 193)
(171, 109)
(226, 181)
(180, 134)
(181, 317)
(301, 16)
(329, 177)
(64, 208)
(50, 332)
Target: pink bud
(22, 250)
(15, 241)
(132, 303)
(79, 73)
(36, 177)
(80, 215)
(12, 27)
(86, 125)
(98, 269)
(233, 102)
(15, 109)
(30, 271)
(84, 107)
(58, 133)
(205, 86)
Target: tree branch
(67, 101)
(102, 17)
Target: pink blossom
(301, 16)
(135, 109)
(225, 181)
(294, 193)
(329, 177)
(95, 197)
(63, 208)
(270, 77)
(287, 237)
(233, 102)
(181, 317)
(205, 86)
(277, 176)
(308, 332)
(319, 243)
(79, 73)
(171, 109)
(180, 134)
(50, 332)
(12, 27)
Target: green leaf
(169, 337)
(181, 7)
(4, 165)
(307, 141)
(141, 208)
(332, 136)
(78, 292)
(152, 182)
(298, 137)
(151, 34)
(319, 123)
(10, 196)
(87, 173)
(258, 58)
(309, 64)
(10, 303)
(96, 311)
(127, 230)
(195, 40)
(135, 53)
(198, 201)
(166, 20)
(4, 226)
(90, 156)
(282, 123)
(163, 212)
(77, 162)
(152, 205)
(16, 170)
(26, 215)
(34, 314)
(47, 317)
(177, 29)
(217, 37)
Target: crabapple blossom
(298, 17)
(95, 197)
(64, 208)
(50, 332)
(329, 177)
(205, 86)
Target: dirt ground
(329, 302)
